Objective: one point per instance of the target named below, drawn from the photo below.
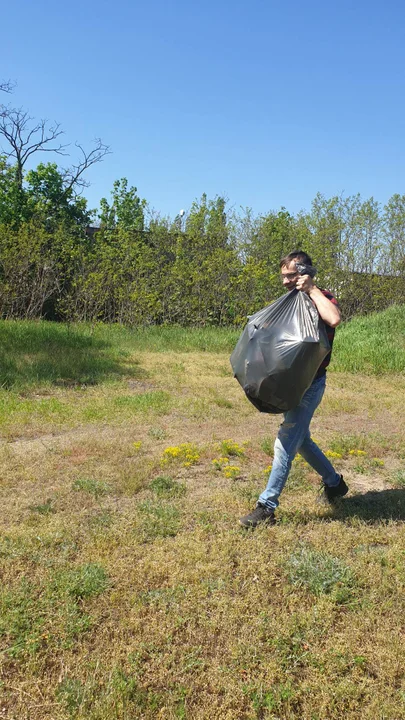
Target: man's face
(289, 275)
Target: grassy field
(129, 590)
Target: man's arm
(327, 310)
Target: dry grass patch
(129, 591)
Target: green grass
(343, 444)
(164, 339)
(44, 508)
(37, 353)
(267, 445)
(372, 345)
(158, 520)
(128, 589)
(33, 354)
(50, 612)
(165, 486)
(91, 486)
(319, 572)
(398, 479)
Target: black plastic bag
(279, 352)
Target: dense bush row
(213, 266)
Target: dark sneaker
(259, 515)
(329, 494)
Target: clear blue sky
(266, 101)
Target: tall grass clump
(372, 344)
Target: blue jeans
(294, 437)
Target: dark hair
(299, 255)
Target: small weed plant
(158, 520)
(223, 464)
(319, 572)
(157, 433)
(70, 693)
(346, 445)
(267, 445)
(398, 479)
(231, 448)
(91, 486)
(164, 486)
(45, 508)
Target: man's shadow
(372, 506)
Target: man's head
(289, 273)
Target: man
(294, 435)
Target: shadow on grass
(37, 353)
(373, 506)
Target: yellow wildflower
(231, 472)
(229, 447)
(219, 463)
(186, 453)
(333, 454)
(376, 462)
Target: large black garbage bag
(279, 352)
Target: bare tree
(24, 138)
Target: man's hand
(305, 283)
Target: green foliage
(229, 447)
(344, 444)
(157, 401)
(126, 210)
(11, 201)
(45, 508)
(394, 232)
(214, 268)
(266, 699)
(48, 195)
(157, 433)
(28, 272)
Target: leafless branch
(73, 175)
(23, 137)
(24, 141)
(7, 86)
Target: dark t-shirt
(330, 331)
